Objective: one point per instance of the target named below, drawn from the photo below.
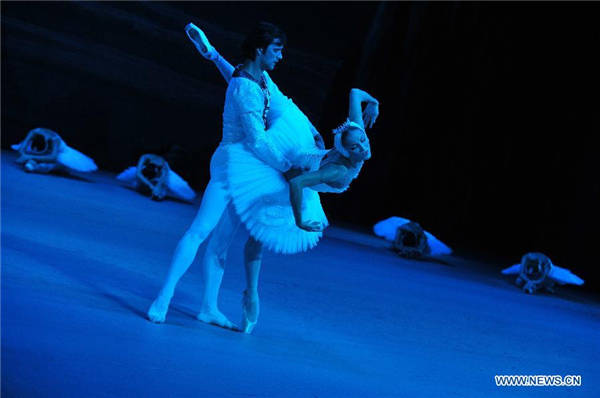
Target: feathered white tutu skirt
(75, 160)
(261, 195)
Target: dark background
(489, 115)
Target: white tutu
(177, 187)
(261, 195)
(387, 229)
(128, 175)
(75, 160)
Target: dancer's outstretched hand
(370, 114)
(311, 226)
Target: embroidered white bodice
(249, 109)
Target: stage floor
(82, 259)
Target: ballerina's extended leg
(250, 301)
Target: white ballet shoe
(201, 42)
(247, 325)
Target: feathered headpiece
(337, 135)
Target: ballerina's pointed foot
(200, 40)
(158, 310)
(216, 317)
(251, 309)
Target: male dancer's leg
(214, 202)
(213, 267)
(252, 261)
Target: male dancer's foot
(251, 309)
(158, 310)
(216, 317)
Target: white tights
(216, 215)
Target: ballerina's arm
(159, 189)
(328, 174)
(355, 112)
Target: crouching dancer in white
(245, 115)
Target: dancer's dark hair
(261, 36)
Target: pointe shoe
(201, 42)
(247, 326)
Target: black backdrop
(489, 110)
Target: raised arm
(248, 102)
(326, 175)
(204, 47)
(355, 111)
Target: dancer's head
(352, 142)
(356, 142)
(264, 44)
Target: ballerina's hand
(311, 226)
(370, 114)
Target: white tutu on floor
(261, 194)
(75, 160)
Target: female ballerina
(283, 210)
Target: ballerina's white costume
(261, 194)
